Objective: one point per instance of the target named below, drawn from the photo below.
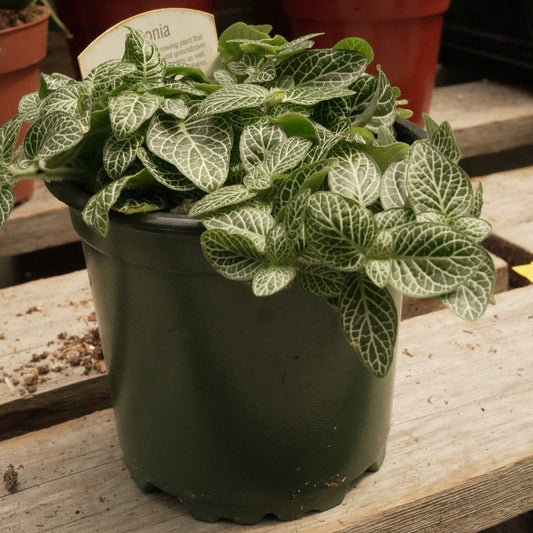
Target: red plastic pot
(405, 36)
(87, 20)
(22, 48)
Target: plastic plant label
(184, 36)
(525, 270)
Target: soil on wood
(9, 18)
(68, 353)
(11, 478)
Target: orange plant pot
(405, 36)
(22, 48)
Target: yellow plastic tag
(184, 36)
(525, 270)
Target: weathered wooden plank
(41, 383)
(41, 223)
(34, 315)
(487, 117)
(507, 207)
(460, 455)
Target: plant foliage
(290, 157)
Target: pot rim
(25, 25)
(70, 194)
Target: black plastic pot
(240, 406)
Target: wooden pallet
(460, 454)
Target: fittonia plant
(289, 156)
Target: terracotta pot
(87, 20)
(405, 36)
(22, 48)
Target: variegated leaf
(9, 134)
(339, 231)
(310, 176)
(294, 219)
(355, 176)
(256, 141)
(7, 201)
(129, 110)
(107, 76)
(434, 183)
(31, 107)
(200, 147)
(51, 135)
(140, 204)
(430, 260)
(231, 97)
(175, 106)
(324, 68)
(309, 96)
(320, 280)
(475, 229)
(477, 204)
(221, 198)
(379, 271)
(253, 69)
(279, 247)
(96, 212)
(443, 139)
(119, 154)
(145, 55)
(470, 300)
(234, 256)
(394, 218)
(369, 318)
(252, 222)
(273, 278)
(282, 158)
(72, 98)
(164, 172)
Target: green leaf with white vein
(233, 97)
(369, 318)
(145, 55)
(234, 256)
(324, 68)
(475, 229)
(106, 76)
(9, 133)
(310, 96)
(200, 147)
(7, 201)
(129, 110)
(273, 278)
(282, 158)
(435, 183)
(256, 141)
(470, 300)
(320, 280)
(221, 198)
(379, 271)
(253, 222)
(119, 154)
(339, 231)
(430, 260)
(443, 139)
(163, 172)
(175, 106)
(51, 135)
(355, 176)
(96, 212)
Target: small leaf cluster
(290, 157)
